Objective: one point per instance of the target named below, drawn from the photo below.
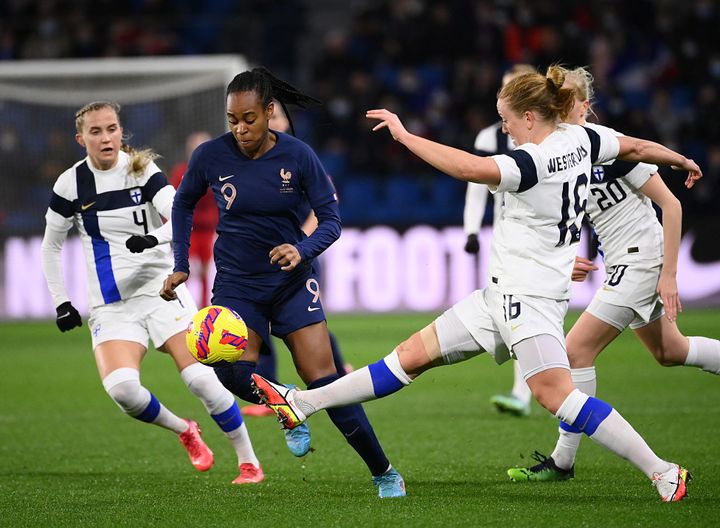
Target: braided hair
(269, 87)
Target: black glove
(139, 243)
(67, 317)
(472, 245)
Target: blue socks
(589, 418)
(230, 419)
(236, 378)
(151, 411)
(356, 428)
(383, 380)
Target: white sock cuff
(704, 352)
(570, 408)
(692, 355)
(581, 375)
(194, 371)
(392, 361)
(121, 375)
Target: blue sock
(267, 362)
(569, 428)
(589, 418)
(356, 428)
(236, 378)
(337, 356)
(230, 419)
(151, 411)
(383, 380)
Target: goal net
(163, 99)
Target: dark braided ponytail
(269, 87)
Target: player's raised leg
(204, 384)
(445, 341)
(380, 379)
(267, 368)
(222, 407)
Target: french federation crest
(285, 186)
(136, 195)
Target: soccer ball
(216, 334)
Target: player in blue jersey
(116, 197)
(640, 290)
(267, 361)
(521, 312)
(265, 271)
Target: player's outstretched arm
(454, 162)
(667, 288)
(173, 280)
(634, 149)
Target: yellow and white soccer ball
(216, 334)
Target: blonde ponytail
(543, 95)
(139, 159)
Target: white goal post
(75, 82)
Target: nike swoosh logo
(63, 316)
(223, 178)
(311, 309)
(85, 207)
(348, 435)
(178, 317)
(515, 327)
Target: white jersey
(623, 218)
(490, 140)
(107, 207)
(546, 189)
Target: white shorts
(621, 316)
(497, 322)
(141, 318)
(628, 297)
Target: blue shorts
(277, 309)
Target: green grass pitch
(69, 457)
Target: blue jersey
(260, 204)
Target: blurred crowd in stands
(438, 64)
